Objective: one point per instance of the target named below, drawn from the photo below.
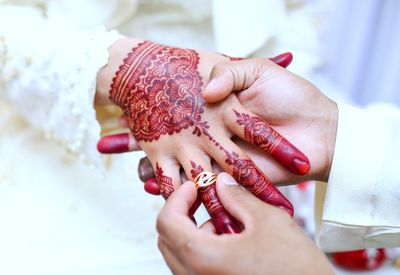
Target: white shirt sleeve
(362, 198)
(48, 71)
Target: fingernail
(145, 170)
(301, 167)
(226, 179)
(283, 59)
(151, 187)
(118, 143)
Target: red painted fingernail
(300, 167)
(151, 187)
(118, 143)
(288, 209)
(283, 59)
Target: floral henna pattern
(250, 177)
(165, 182)
(159, 89)
(258, 132)
(261, 134)
(196, 169)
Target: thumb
(232, 76)
(240, 203)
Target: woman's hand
(271, 242)
(159, 89)
(291, 104)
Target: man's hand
(271, 242)
(291, 104)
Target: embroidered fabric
(48, 72)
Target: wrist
(117, 53)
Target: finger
(231, 76)
(240, 203)
(170, 258)
(151, 187)
(255, 130)
(234, 161)
(208, 227)
(173, 223)
(145, 169)
(117, 143)
(223, 222)
(283, 59)
(167, 175)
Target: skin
(291, 104)
(159, 89)
(271, 243)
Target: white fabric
(52, 82)
(363, 196)
(238, 37)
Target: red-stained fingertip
(151, 187)
(300, 167)
(118, 143)
(283, 59)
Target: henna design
(258, 132)
(159, 89)
(261, 134)
(196, 169)
(165, 182)
(249, 176)
(222, 220)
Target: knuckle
(218, 69)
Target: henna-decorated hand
(159, 89)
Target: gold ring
(204, 179)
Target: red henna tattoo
(159, 89)
(258, 132)
(196, 169)
(165, 182)
(249, 176)
(222, 220)
(261, 134)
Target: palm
(299, 111)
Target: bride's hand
(159, 89)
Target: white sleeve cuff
(362, 196)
